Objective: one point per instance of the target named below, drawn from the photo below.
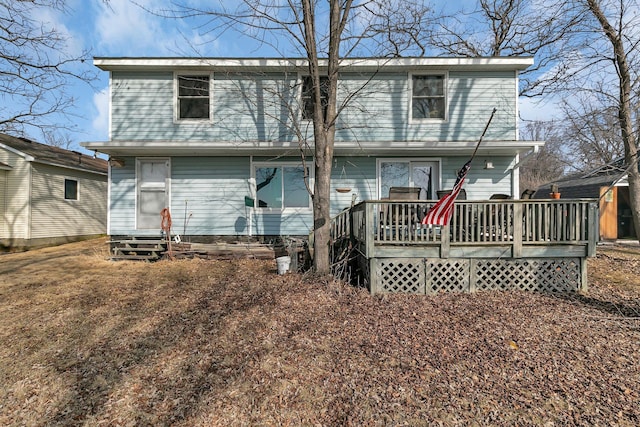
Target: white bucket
(283, 264)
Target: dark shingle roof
(49, 154)
(586, 184)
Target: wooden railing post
(593, 219)
(518, 218)
(445, 241)
(369, 230)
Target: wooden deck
(497, 244)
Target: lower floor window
(70, 189)
(422, 174)
(281, 186)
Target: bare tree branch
(35, 68)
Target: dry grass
(85, 341)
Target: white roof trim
(410, 148)
(25, 156)
(122, 63)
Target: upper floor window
(307, 96)
(428, 96)
(193, 97)
(70, 189)
(281, 185)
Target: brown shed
(607, 183)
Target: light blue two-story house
(221, 141)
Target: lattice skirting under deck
(432, 275)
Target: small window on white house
(428, 97)
(70, 189)
(307, 96)
(280, 186)
(193, 97)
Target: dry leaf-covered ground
(86, 341)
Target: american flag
(441, 212)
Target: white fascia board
(210, 148)
(25, 156)
(275, 64)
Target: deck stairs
(138, 249)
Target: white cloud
(100, 123)
(54, 20)
(126, 29)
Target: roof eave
(293, 64)
(418, 148)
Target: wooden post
(593, 222)
(373, 276)
(369, 230)
(584, 285)
(516, 251)
(473, 277)
(445, 241)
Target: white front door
(152, 193)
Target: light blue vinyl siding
(207, 198)
(356, 173)
(207, 194)
(213, 190)
(141, 106)
(256, 108)
(480, 183)
(249, 108)
(122, 200)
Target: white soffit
(282, 64)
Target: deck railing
(515, 223)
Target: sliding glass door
(424, 174)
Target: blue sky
(120, 28)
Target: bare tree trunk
(321, 204)
(615, 37)
(324, 124)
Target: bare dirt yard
(87, 341)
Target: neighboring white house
(218, 140)
(49, 195)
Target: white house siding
(16, 197)
(53, 216)
(3, 220)
(143, 108)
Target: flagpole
(441, 212)
(483, 133)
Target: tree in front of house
(323, 33)
(35, 67)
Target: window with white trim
(193, 97)
(428, 96)
(70, 189)
(281, 186)
(416, 172)
(308, 107)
